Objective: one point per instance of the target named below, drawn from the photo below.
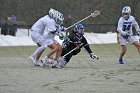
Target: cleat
(121, 61)
(35, 62)
(54, 63)
(58, 66)
(44, 61)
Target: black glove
(92, 55)
(65, 43)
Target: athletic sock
(38, 50)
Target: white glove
(127, 34)
(62, 35)
(64, 45)
(92, 55)
(61, 29)
(124, 34)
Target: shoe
(121, 61)
(58, 66)
(44, 61)
(55, 63)
(35, 62)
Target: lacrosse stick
(77, 47)
(64, 30)
(94, 14)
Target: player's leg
(54, 49)
(57, 56)
(135, 42)
(58, 53)
(122, 42)
(39, 51)
(137, 45)
(123, 51)
(39, 41)
(36, 55)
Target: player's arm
(86, 46)
(117, 37)
(136, 26)
(120, 27)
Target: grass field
(81, 75)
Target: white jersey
(42, 30)
(44, 23)
(126, 25)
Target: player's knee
(137, 44)
(56, 48)
(59, 48)
(124, 50)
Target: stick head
(95, 13)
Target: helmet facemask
(58, 17)
(52, 13)
(79, 28)
(126, 11)
(125, 15)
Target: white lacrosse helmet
(52, 13)
(58, 17)
(126, 11)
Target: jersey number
(126, 27)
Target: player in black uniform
(75, 41)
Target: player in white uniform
(43, 32)
(124, 29)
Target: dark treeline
(28, 11)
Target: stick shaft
(73, 49)
(79, 22)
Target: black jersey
(76, 38)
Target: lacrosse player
(124, 30)
(74, 40)
(43, 33)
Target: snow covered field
(22, 38)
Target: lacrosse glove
(138, 33)
(65, 43)
(127, 34)
(62, 35)
(92, 55)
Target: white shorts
(124, 41)
(37, 38)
